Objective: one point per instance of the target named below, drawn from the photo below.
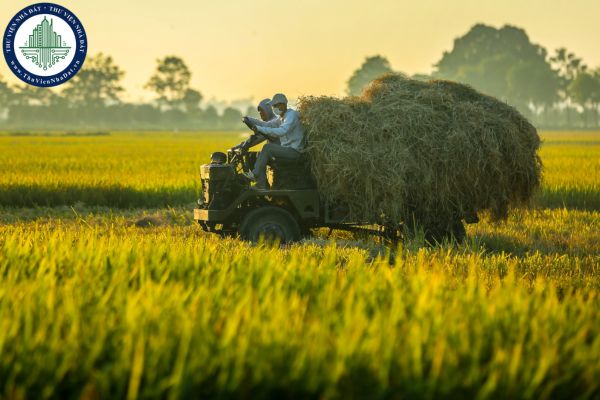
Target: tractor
(287, 211)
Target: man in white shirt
(287, 128)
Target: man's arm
(283, 129)
(258, 122)
(254, 140)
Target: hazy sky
(239, 49)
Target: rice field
(93, 306)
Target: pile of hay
(427, 152)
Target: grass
(92, 306)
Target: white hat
(279, 98)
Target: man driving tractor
(287, 128)
(266, 114)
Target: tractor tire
(458, 231)
(437, 232)
(271, 224)
(452, 231)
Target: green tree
(596, 97)
(97, 84)
(231, 118)
(27, 95)
(568, 66)
(532, 85)
(171, 83)
(191, 101)
(501, 62)
(6, 97)
(210, 117)
(45, 103)
(585, 92)
(372, 68)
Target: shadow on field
(110, 196)
(586, 199)
(501, 243)
(496, 243)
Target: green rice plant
(92, 306)
(156, 169)
(105, 310)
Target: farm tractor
(287, 211)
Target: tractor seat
(282, 162)
(290, 174)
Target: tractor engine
(220, 185)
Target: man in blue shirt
(288, 128)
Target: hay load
(429, 152)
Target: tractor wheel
(458, 231)
(437, 232)
(451, 231)
(271, 224)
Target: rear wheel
(438, 232)
(458, 231)
(272, 224)
(451, 231)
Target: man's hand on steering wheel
(248, 122)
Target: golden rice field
(94, 307)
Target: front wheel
(271, 224)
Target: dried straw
(431, 152)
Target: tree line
(555, 90)
(92, 99)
